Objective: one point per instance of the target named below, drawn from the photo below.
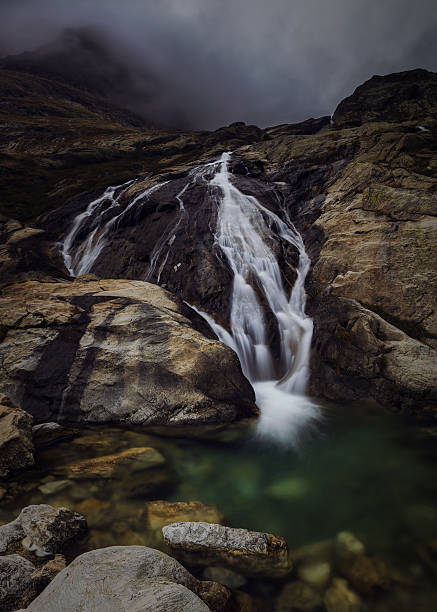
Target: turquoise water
(356, 469)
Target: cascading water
(244, 230)
(96, 222)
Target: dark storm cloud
(206, 63)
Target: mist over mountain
(205, 64)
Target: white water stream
(245, 233)
(96, 222)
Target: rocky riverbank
(332, 575)
(102, 501)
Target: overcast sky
(213, 62)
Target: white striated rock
(250, 552)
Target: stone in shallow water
(250, 552)
(54, 486)
(134, 578)
(367, 573)
(134, 459)
(291, 488)
(347, 546)
(339, 598)
(298, 596)
(315, 573)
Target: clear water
(356, 470)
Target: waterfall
(245, 230)
(246, 233)
(100, 217)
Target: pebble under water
(356, 469)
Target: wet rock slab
(250, 552)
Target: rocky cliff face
(361, 190)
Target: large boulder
(109, 466)
(122, 578)
(116, 351)
(250, 552)
(16, 448)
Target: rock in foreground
(116, 351)
(250, 552)
(134, 578)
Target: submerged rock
(367, 573)
(225, 576)
(315, 573)
(297, 596)
(116, 351)
(54, 486)
(134, 578)
(316, 551)
(133, 459)
(347, 546)
(339, 598)
(46, 434)
(16, 448)
(250, 552)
